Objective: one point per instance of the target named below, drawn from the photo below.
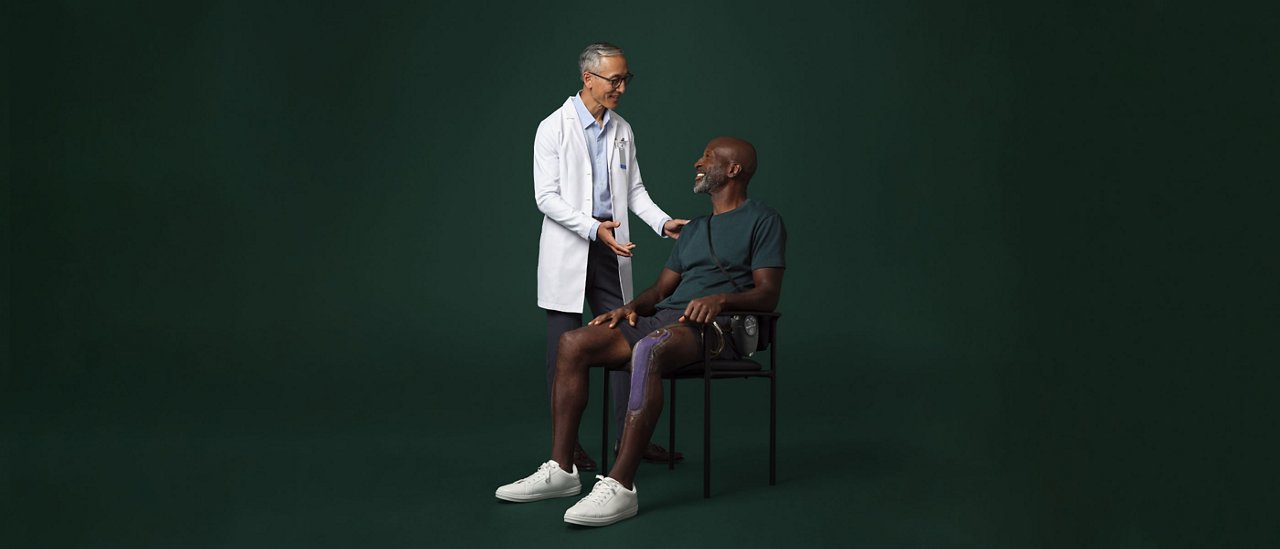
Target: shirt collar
(584, 116)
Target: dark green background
(271, 270)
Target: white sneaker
(549, 481)
(607, 503)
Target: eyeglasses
(615, 81)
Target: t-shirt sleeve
(673, 260)
(769, 247)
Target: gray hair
(589, 60)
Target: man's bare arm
(764, 297)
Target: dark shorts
(646, 325)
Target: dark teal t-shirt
(746, 238)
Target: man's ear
(734, 169)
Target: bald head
(737, 151)
(726, 161)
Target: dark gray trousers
(604, 294)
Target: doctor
(585, 178)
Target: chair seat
(719, 366)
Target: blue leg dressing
(641, 362)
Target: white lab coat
(563, 190)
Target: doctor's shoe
(583, 461)
(549, 481)
(652, 453)
(607, 503)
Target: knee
(649, 352)
(573, 346)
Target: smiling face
(598, 89)
(710, 170)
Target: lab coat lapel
(574, 127)
(611, 141)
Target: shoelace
(601, 492)
(544, 470)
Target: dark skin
(601, 343)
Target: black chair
(708, 369)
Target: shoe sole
(664, 460)
(525, 498)
(601, 521)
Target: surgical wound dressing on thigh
(641, 362)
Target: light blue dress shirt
(595, 132)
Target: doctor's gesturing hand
(605, 234)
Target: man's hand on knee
(611, 318)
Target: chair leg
(671, 430)
(773, 430)
(604, 422)
(706, 438)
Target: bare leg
(664, 349)
(579, 350)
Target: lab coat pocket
(621, 145)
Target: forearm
(755, 299)
(646, 303)
(647, 210)
(551, 204)
(763, 296)
(639, 200)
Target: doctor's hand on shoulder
(605, 234)
(672, 228)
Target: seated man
(660, 330)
